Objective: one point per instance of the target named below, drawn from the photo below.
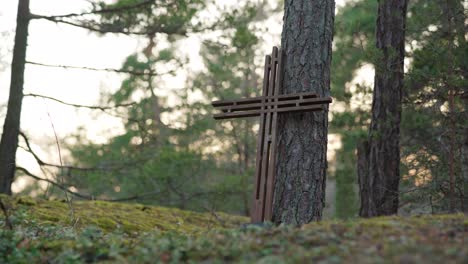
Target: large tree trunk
(379, 182)
(9, 141)
(299, 195)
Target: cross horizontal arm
(259, 99)
(250, 113)
(274, 104)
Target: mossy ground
(127, 217)
(132, 233)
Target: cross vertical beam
(266, 148)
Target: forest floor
(39, 231)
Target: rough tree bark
(302, 138)
(379, 182)
(9, 140)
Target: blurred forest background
(171, 152)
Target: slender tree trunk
(456, 35)
(364, 188)
(379, 182)
(464, 159)
(11, 127)
(302, 138)
(459, 21)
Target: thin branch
(84, 196)
(113, 167)
(104, 109)
(98, 29)
(28, 173)
(138, 73)
(135, 197)
(60, 176)
(43, 163)
(215, 215)
(95, 107)
(124, 8)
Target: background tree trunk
(11, 127)
(302, 138)
(382, 177)
(464, 160)
(367, 205)
(459, 21)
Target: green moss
(56, 245)
(106, 224)
(129, 217)
(26, 200)
(133, 233)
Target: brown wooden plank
(276, 104)
(256, 204)
(238, 114)
(297, 109)
(237, 101)
(270, 185)
(293, 109)
(267, 136)
(259, 99)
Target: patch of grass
(111, 234)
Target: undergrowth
(44, 236)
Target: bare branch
(28, 173)
(104, 109)
(60, 176)
(118, 9)
(121, 165)
(43, 163)
(212, 211)
(138, 73)
(84, 196)
(107, 28)
(135, 197)
(95, 107)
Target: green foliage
(438, 68)
(175, 154)
(244, 38)
(353, 43)
(150, 17)
(354, 47)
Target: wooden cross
(268, 106)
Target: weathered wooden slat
(269, 188)
(251, 113)
(266, 157)
(259, 99)
(276, 104)
(256, 203)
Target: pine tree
(302, 138)
(379, 173)
(11, 127)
